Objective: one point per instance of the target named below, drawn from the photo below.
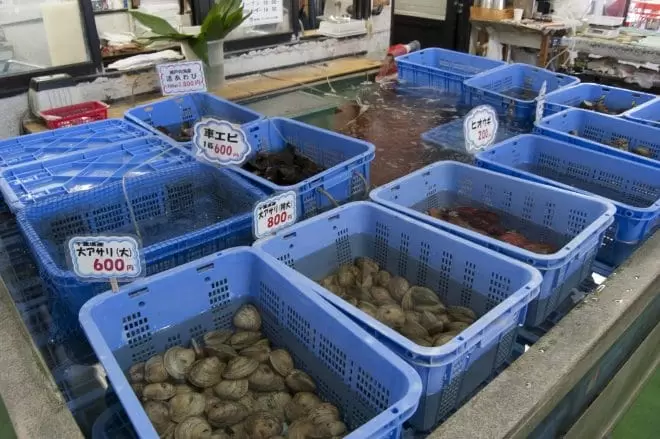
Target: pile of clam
(415, 312)
(232, 386)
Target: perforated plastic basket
(373, 388)
(33, 182)
(597, 131)
(497, 288)
(628, 185)
(346, 161)
(182, 214)
(51, 144)
(647, 114)
(513, 89)
(581, 219)
(440, 68)
(171, 113)
(617, 100)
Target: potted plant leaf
(205, 45)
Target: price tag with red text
(181, 77)
(220, 142)
(100, 258)
(274, 214)
(480, 128)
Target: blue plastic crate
(346, 160)
(171, 113)
(51, 144)
(31, 183)
(627, 184)
(452, 136)
(617, 100)
(374, 389)
(441, 68)
(596, 131)
(647, 114)
(580, 220)
(182, 214)
(513, 89)
(498, 289)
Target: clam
(431, 323)
(323, 413)
(210, 402)
(194, 427)
(398, 286)
(274, 402)
(178, 361)
(247, 318)
(299, 381)
(422, 342)
(262, 342)
(232, 390)
(444, 318)
(424, 296)
(206, 372)
(364, 280)
(263, 379)
(337, 290)
(248, 401)
(185, 405)
(183, 388)
(262, 425)
(367, 265)
(441, 339)
(300, 429)
(242, 339)
(213, 338)
(236, 431)
(158, 412)
(391, 315)
(166, 431)
(328, 429)
(259, 352)
(380, 296)
(438, 308)
(368, 308)
(407, 303)
(346, 276)
(382, 279)
(413, 316)
(158, 391)
(414, 330)
(461, 313)
(281, 362)
(154, 370)
(220, 434)
(352, 300)
(300, 406)
(240, 367)
(328, 280)
(138, 388)
(226, 413)
(136, 373)
(224, 352)
(457, 326)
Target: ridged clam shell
(185, 405)
(154, 370)
(226, 413)
(262, 425)
(178, 361)
(136, 373)
(391, 315)
(264, 379)
(158, 391)
(299, 381)
(398, 286)
(240, 367)
(261, 353)
(194, 427)
(158, 412)
(300, 406)
(242, 339)
(247, 318)
(206, 372)
(281, 362)
(232, 390)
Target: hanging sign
(104, 258)
(274, 214)
(263, 12)
(480, 128)
(220, 142)
(181, 77)
(540, 101)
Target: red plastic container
(77, 114)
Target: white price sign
(540, 101)
(274, 214)
(263, 12)
(480, 128)
(181, 77)
(220, 142)
(105, 257)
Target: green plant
(224, 17)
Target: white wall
(12, 109)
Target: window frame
(19, 83)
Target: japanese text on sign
(104, 257)
(264, 12)
(275, 214)
(220, 142)
(540, 101)
(181, 77)
(480, 128)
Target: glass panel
(32, 36)
(268, 17)
(431, 9)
